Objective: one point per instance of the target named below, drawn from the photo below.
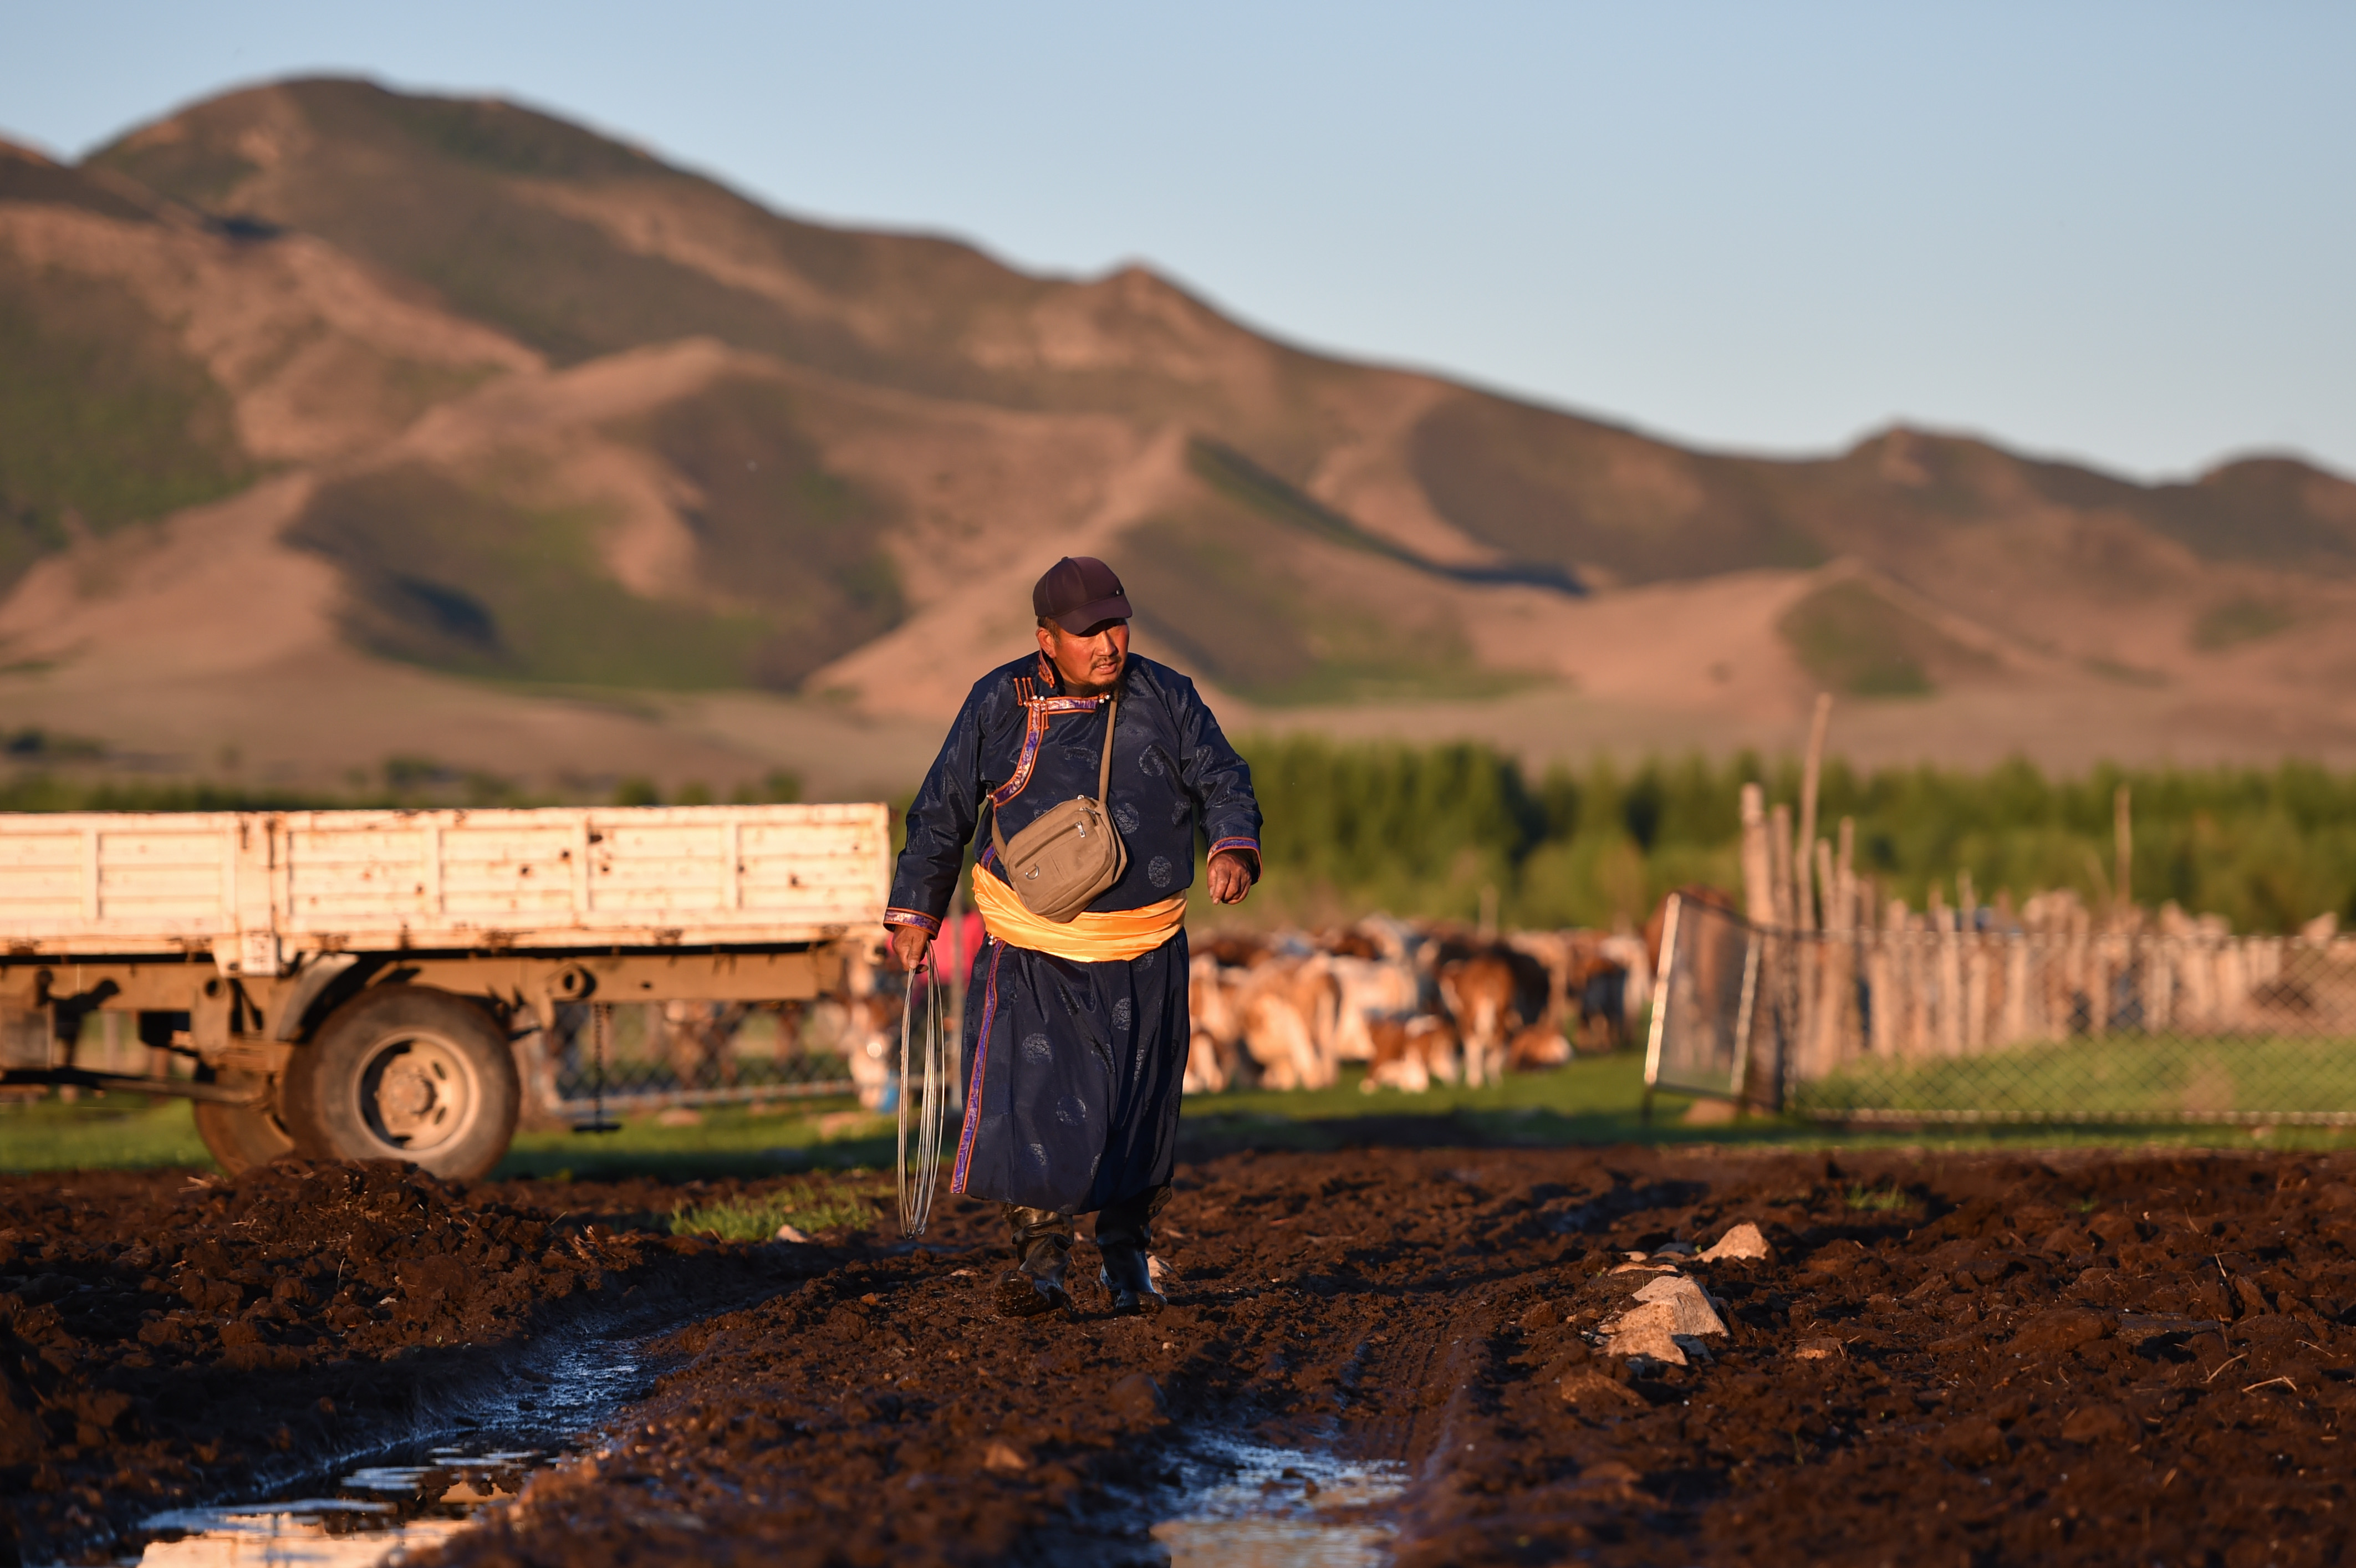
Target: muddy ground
(2098, 1359)
(169, 1339)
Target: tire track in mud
(1318, 1304)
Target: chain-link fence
(640, 1055)
(619, 1057)
(1979, 1022)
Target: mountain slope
(498, 405)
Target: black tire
(241, 1137)
(406, 1072)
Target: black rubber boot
(1125, 1237)
(1043, 1244)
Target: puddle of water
(1247, 1505)
(410, 1497)
(377, 1514)
(1240, 1505)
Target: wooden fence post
(1758, 860)
(1804, 906)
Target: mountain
(337, 424)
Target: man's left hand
(1231, 879)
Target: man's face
(1090, 660)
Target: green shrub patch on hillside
(1530, 482)
(458, 580)
(104, 418)
(791, 570)
(778, 533)
(1236, 597)
(1853, 640)
(2239, 620)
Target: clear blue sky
(2120, 231)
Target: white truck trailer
(347, 983)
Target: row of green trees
(1424, 829)
(405, 781)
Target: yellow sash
(1114, 936)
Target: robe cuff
(1246, 846)
(917, 918)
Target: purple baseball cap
(1077, 593)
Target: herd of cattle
(1417, 1004)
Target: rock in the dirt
(1004, 1455)
(1820, 1348)
(1742, 1243)
(2061, 1328)
(2098, 1423)
(1694, 1313)
(790, 1233)
(1974, 1441)
(1650, 1329)
(1590, 1390)
(1138, 1397)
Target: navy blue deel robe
(1073, 1070)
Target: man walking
(1076, 1027)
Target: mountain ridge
(552, 416)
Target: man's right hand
(908, 944)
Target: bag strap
(1104, 775)
(1104, 769)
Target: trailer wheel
(406, 1072)
(239, 1136)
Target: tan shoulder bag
(1063, 862)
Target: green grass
(730, 1140)
(2124, 1077)
(807, 1209)
(119, 1132)
(1600, 1099)
(1594, 1101)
